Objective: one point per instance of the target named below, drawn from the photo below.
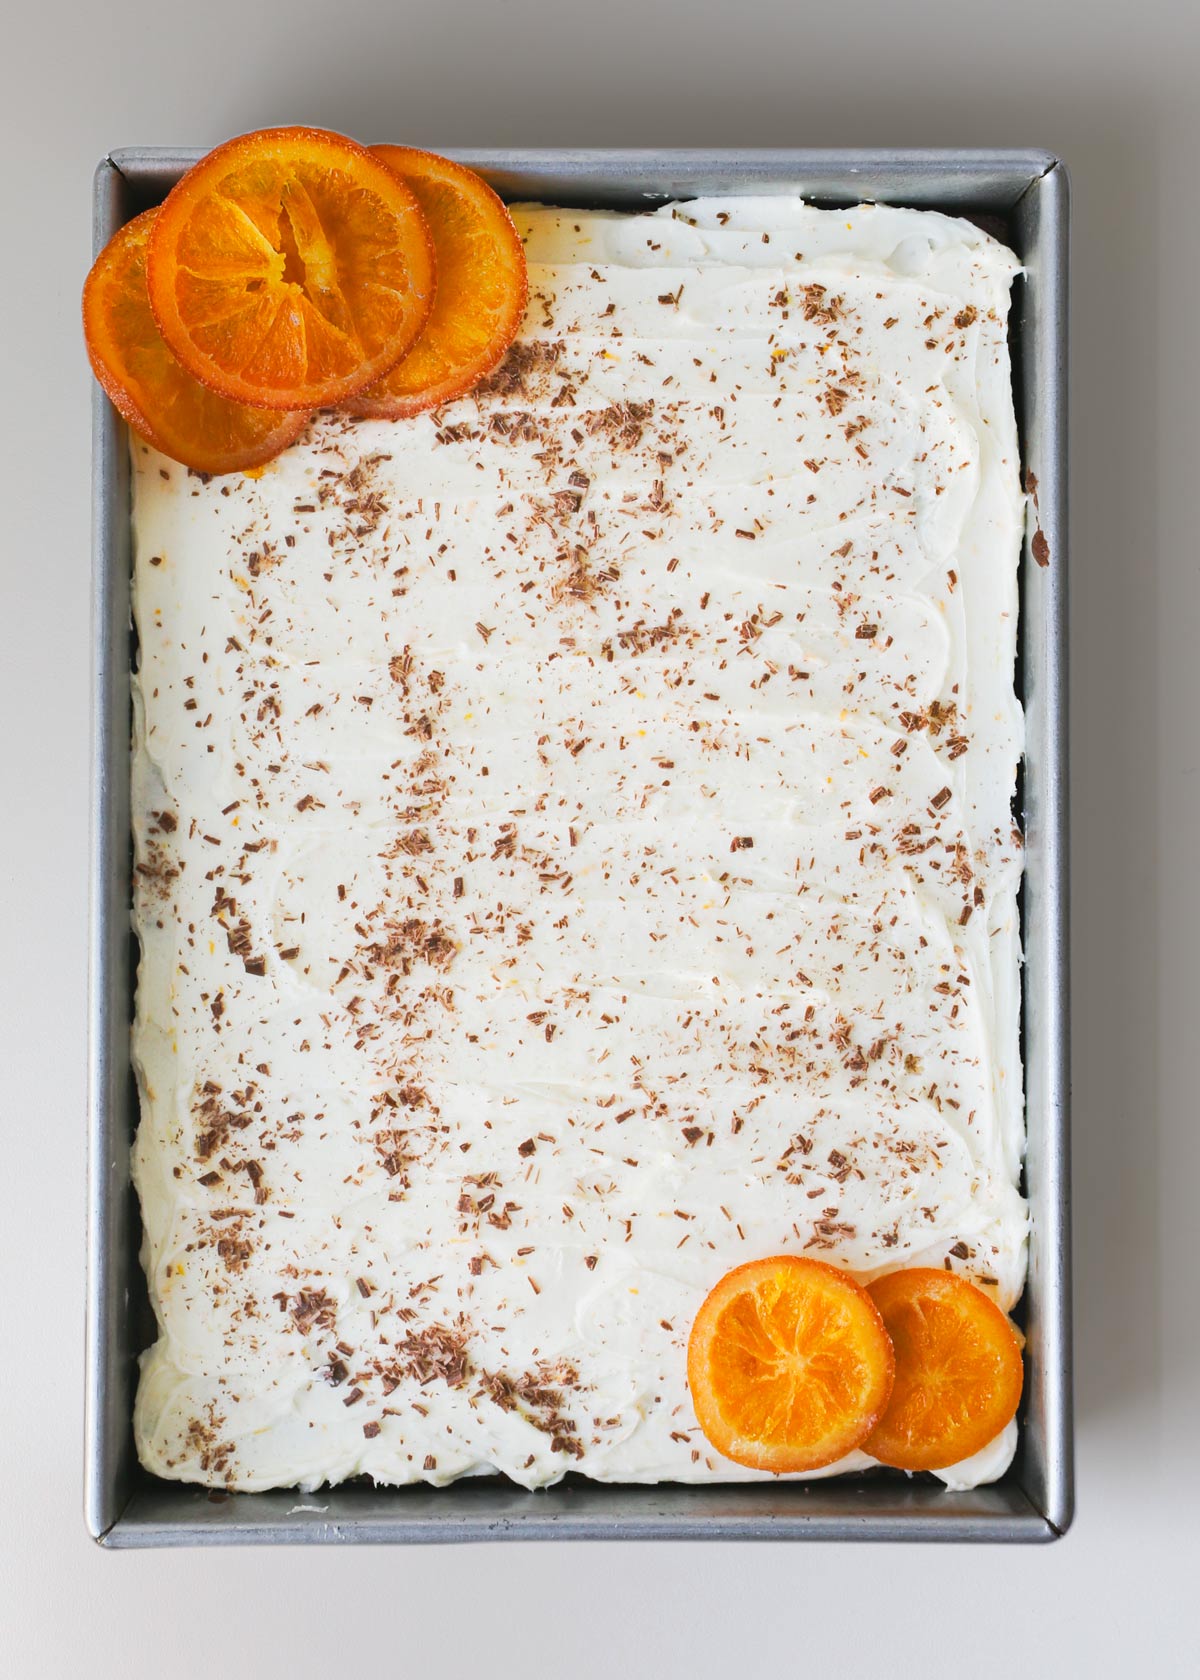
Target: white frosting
(575, 856)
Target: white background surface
(1115, 91)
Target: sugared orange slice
(290, 268)
(789, 1364)
(958, 1370)
(481, 291)
(149, 388)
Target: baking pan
(1023, 197)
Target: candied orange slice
(481, 293)
(149, 388)
(290, 268)
(958, 1370)
(789, 1364)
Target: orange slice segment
(290, 268)
(149, 388)
(958, 1370)
(789, 1364)
(482, 288)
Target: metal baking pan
(1023, 197)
